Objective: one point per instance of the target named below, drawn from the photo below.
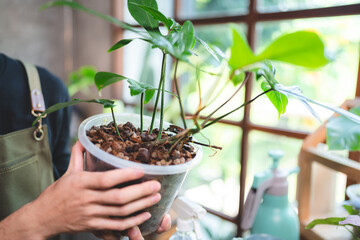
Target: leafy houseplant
(143, 142)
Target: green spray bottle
(267, 208)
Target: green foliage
(104, 79)
(343, 133)
(142, 16)
(157, 15)
(302, 48)
(81, 79)
(238, 78)
(278, 99)
(241, 53)
(139, 87)
(120, 44)
(328, 221)
(351, 210)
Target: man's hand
(84, 201)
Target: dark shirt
(15, 108)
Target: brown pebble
(176, 154)
(154, 154)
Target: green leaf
(350, 209)
(56, 107)
(301, 48)
(157, 15)
(120, 44)
(328, 221)
(164, 44)
(145, 19)
(240, 52)
(342, 133)
(279, 100)
(238, 78)
(80, 7)
(268, 71)
(137, 87)
(81, 79)
(149, 93)
(187, 36)
(104, 79)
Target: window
(247, 135)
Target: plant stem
(237, 90)
(163, 72)
(157, 95)
(115, 124)
(142, 112)
(207, 145)
(178, 93)
(242, 105)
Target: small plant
(302, 48)
(353, 220)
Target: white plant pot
(170, 177)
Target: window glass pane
(206, 8)
(215, 182)
(289, 5)
(260, 143)
(331, 84)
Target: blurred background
(73, 45)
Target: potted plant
(164, 149)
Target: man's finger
(120, 196)
(110, 178)
(135, 234)
(76, 163)
(118, 224)
(165, 224)
(123, 210)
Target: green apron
(25, 159)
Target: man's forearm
(21, 225)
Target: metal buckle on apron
(39, 132)
(37, 99)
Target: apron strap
(37, 98)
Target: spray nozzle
(188, 215)
(276, 155)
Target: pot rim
(105, 118)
